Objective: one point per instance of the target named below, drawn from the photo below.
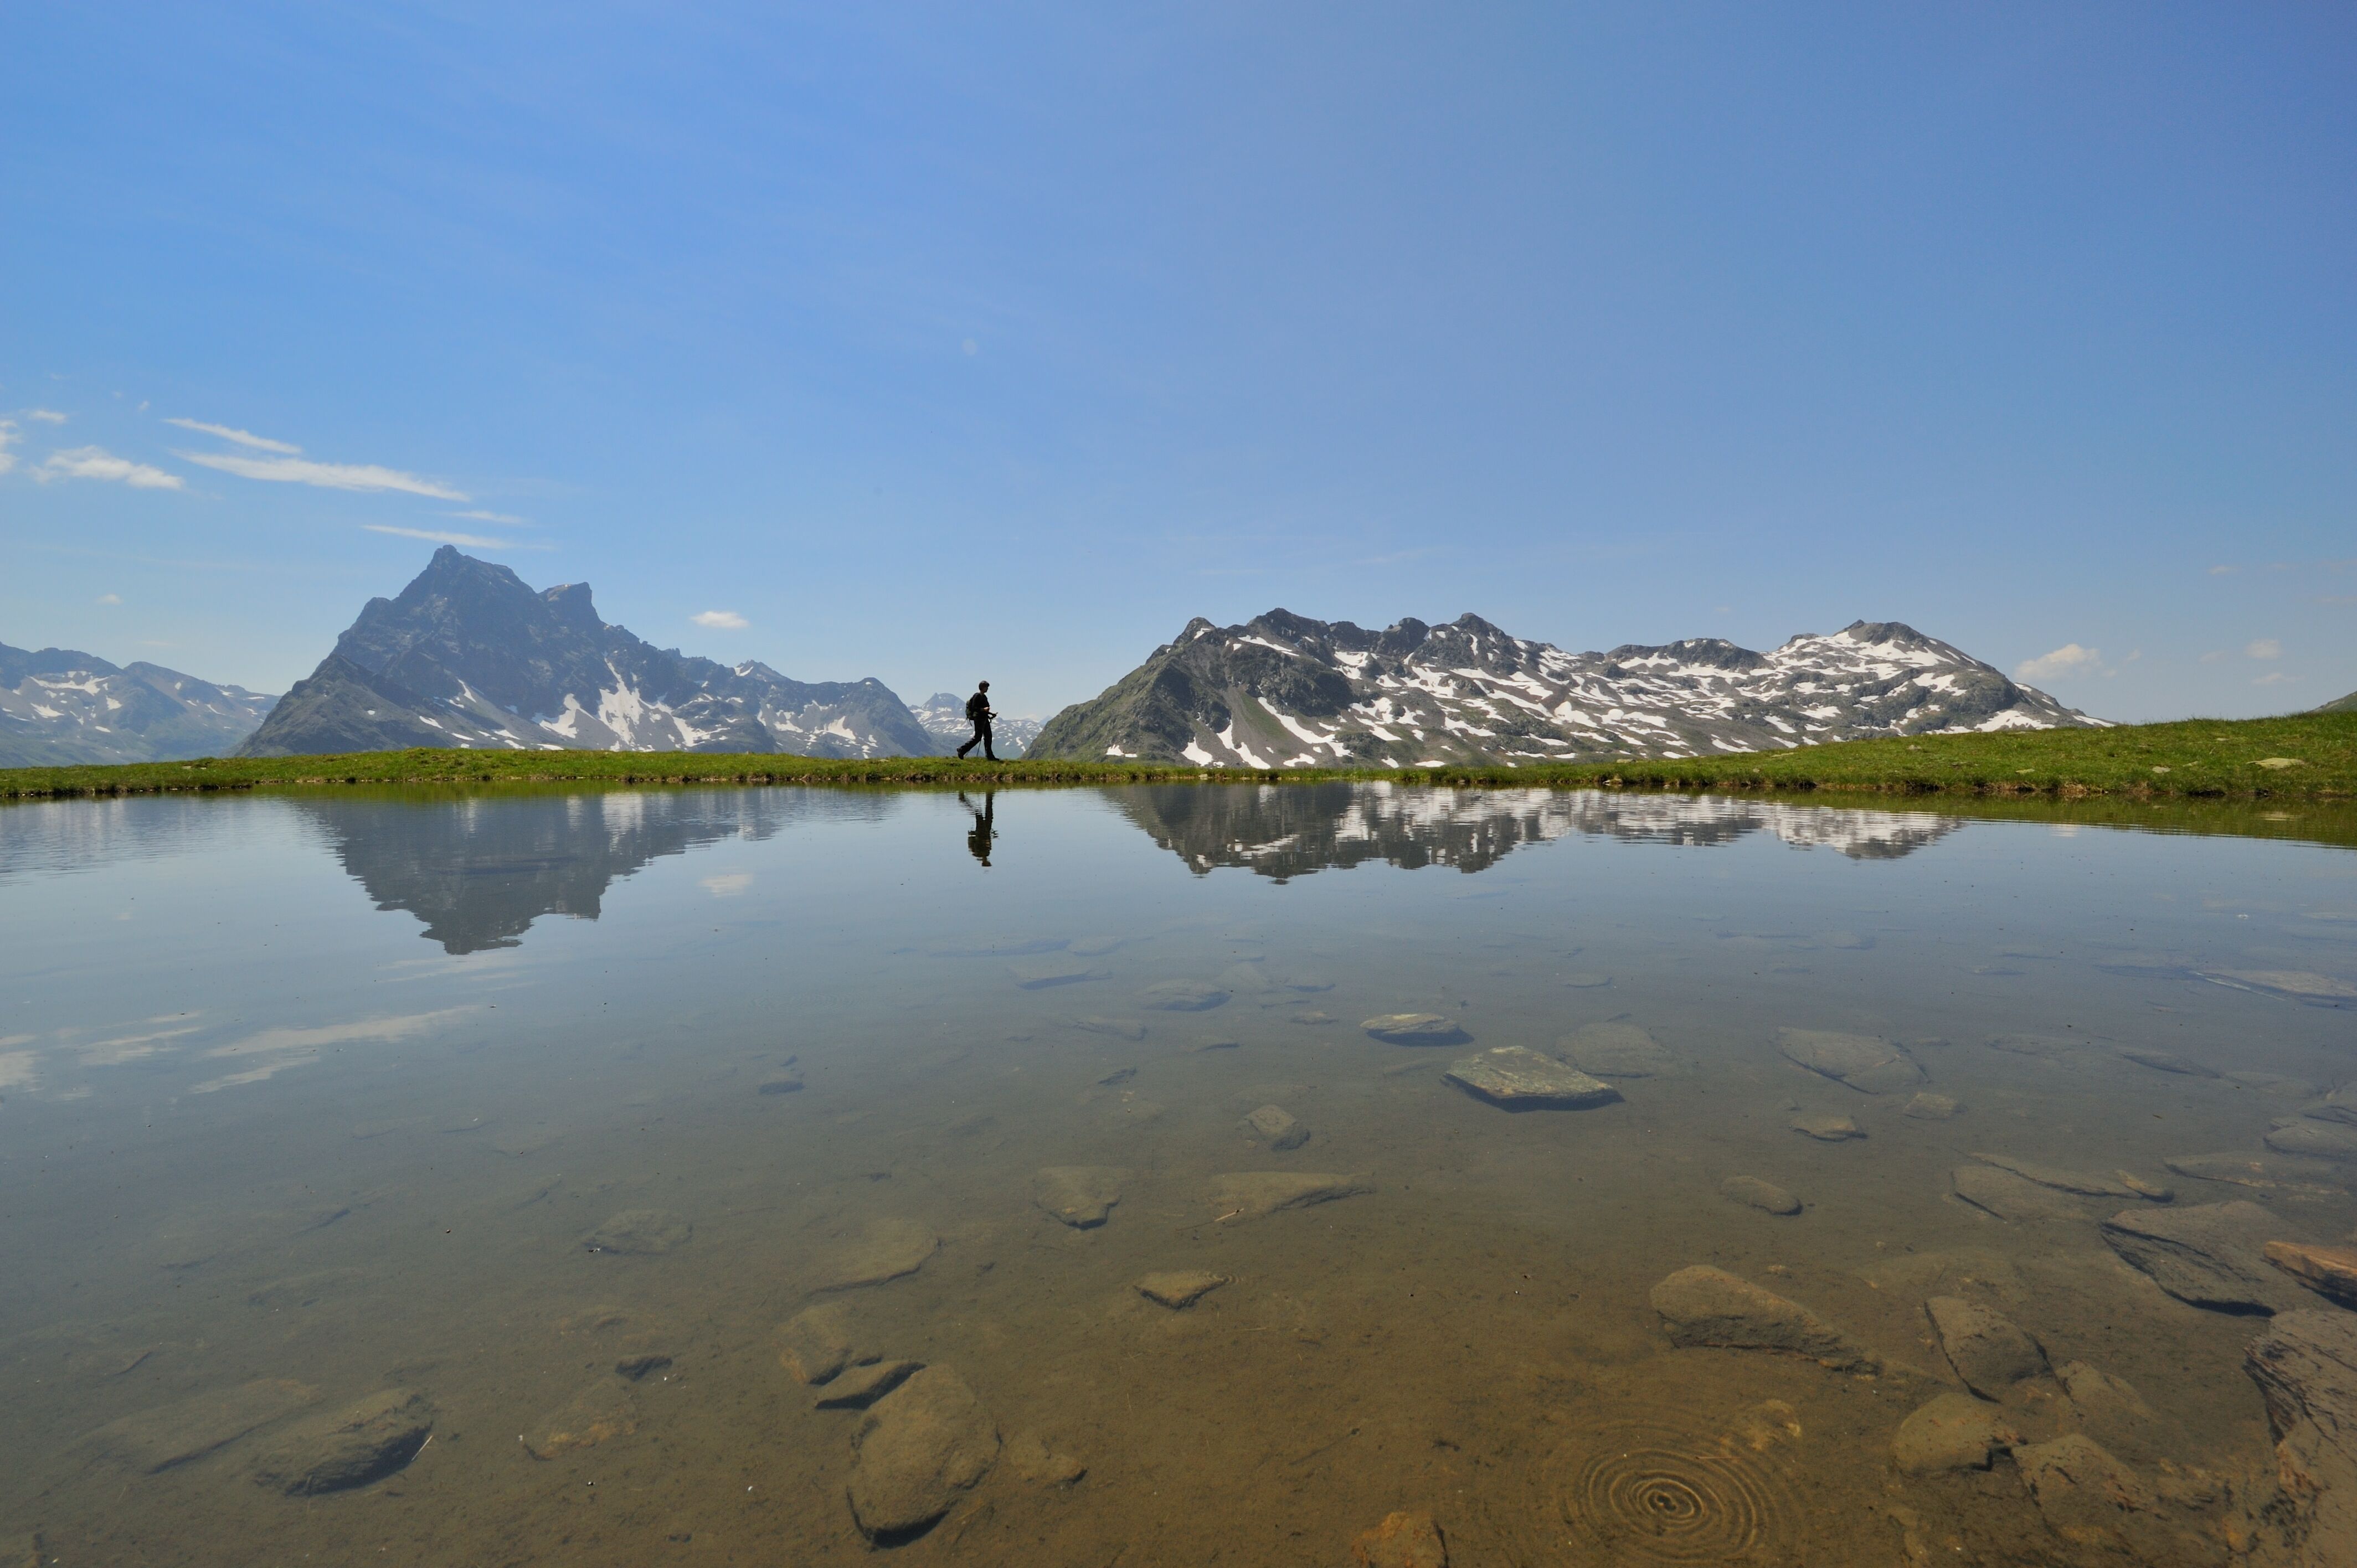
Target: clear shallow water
(308, 1098)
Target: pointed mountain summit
(469, 656)
(1283, 691)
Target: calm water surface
(554, 1111)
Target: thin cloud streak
(326, 476)
(437, 536)
(2066, 660)
(720, 621)
(243, 437)
(98, 463)
(48, 415)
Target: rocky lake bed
(1802, 1235)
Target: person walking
(978, 714)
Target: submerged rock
(2166, 1061)
(1865, 1063)
(816, 1343)
(1415, 1029)
(157, 1439)
(2340, 1105)
(1118, 1028)
(2330, 1270)
(1179, 1289)
(2210, 1254)
(1703, 1305)
(2092, 1183)
(2314, 1140)
(642, 1231)
(1404, 1540)
(921, 1447)
(2260, 1174)
(1313, 1016)
(2047, 1047)
(863, 1386)
(1619, 1050)
(599, 1414)
(1248, 1195)
(1952, 1432)
(1520, 1078)
(1030, 1456)
(1081, 1196)
(2009, 1197)
(1764, 1196)
(1278, 1128)
(2300, 984)
(1183, 997)
(886, 1250)
(2109, 1409)
(2085, 1493)
(1926, 1106)
(1987, 1350)
(1828, 1129)
(1038, 973)
(364, 1442)
(2306, 1367)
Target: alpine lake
(1170, 1175)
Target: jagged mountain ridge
(1284, 691)
(469, 656)
(944, 716)
(59, 706)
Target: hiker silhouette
(978, 714)
(985, 826)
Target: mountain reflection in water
(1283, 831)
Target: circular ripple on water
(1661, 1493)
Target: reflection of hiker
(978, 714)
(978, 841)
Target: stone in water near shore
(2212, 1254)
(364, 1442)
(2009, 1197)
(1863, 1062)
(1248, 1195)
(639, 1231)
(157, 1439)
(1927, 1106)
(1278, 1128)
(1954, 1432)
(2330, 1270)
(1520, 1078)
(814, 1345)
(1181, 1289)
(2306, 1367)
(1828, 1129)
(1081, 1196)
(886, 1250)
(1183, 997)
(920, 1448)
(598, 1414)
(1703, 1305)
(1619, 1050)
(1764, 1196)
(1416, 1029)
(1038, 973)
(1404, 1540)
(863, 1386)
(2092, 1183)
(1987, 1350)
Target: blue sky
(937, 342)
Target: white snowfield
(1288, 692)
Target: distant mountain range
(944, 716)
(469, 656)
(1283, 691)
(59, 707)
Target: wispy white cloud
(48, 415)
(327, 476)
(2274, 678)
(436, 536)
(476, 515)
(8, 437)
(2264, 648)
(243, 437)
(2223, 571)
(98, 463)
(273, 1051)
(2068, 660)
(110, 598)
(720, 621)
(2214, 655)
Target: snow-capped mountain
(59, 707)
(469, 656)
(1287, 831)
(1283, 691)
(944, 716)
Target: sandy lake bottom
(758, 1177)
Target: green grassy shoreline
(2300, 758)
